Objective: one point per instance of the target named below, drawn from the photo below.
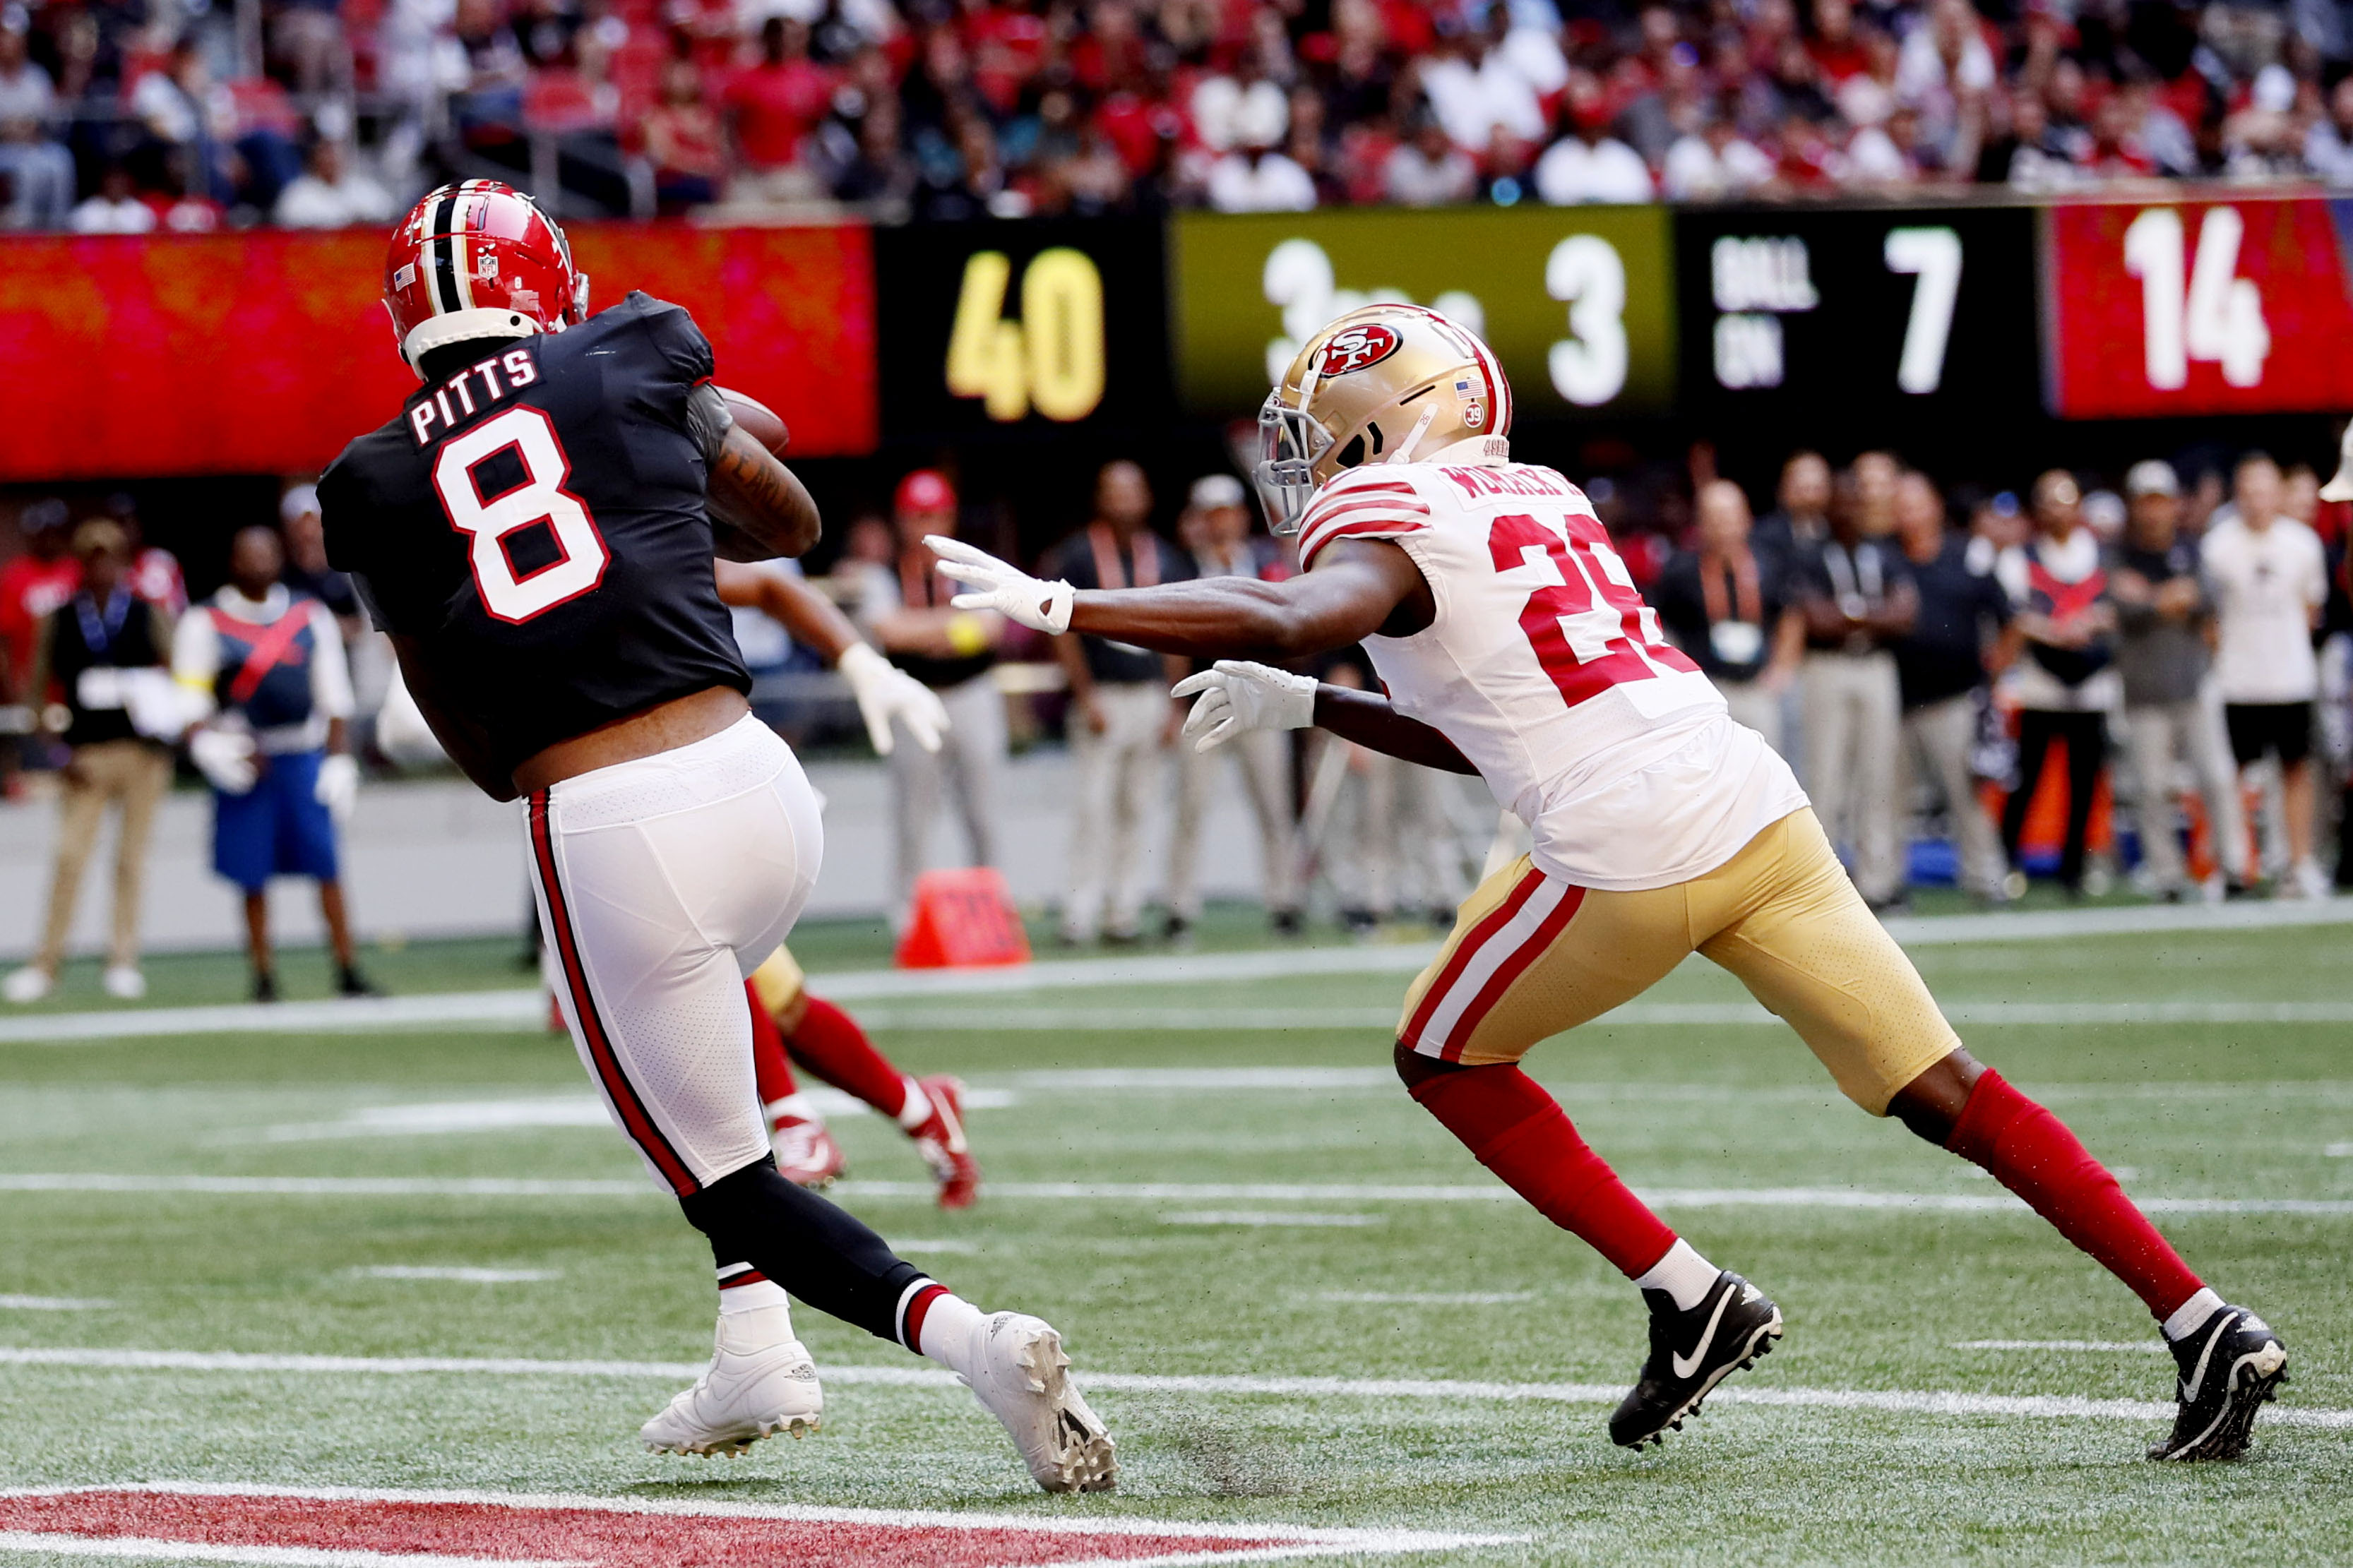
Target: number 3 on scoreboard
(1934, 255)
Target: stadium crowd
(131, 115)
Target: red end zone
(338, 1528)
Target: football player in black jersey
(535, 533)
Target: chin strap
(1404, 453)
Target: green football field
(410, 1259)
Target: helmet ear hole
(1352, 454)
(1374, 431)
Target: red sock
(2031, 1152)
(1518, 1132)
(769, 1068)
(831, 1044)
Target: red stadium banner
(2237, 306)
(265, 352)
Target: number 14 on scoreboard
(2215, 316)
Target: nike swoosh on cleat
(1683, 1366)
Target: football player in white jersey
(1513, 644)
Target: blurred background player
(903, 717)
(268, 665)
(1215, 530)
(2065, 681)
(2269, 577)
(1858, 602)
(903, 607)
(1121, 722)
(2164, 618)
(1941, 667)
(1731, 605)
(32, 583)
(791, 1026)
(100, 662)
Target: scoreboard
(1576, 302)
(263, 352)
(1806, 312)
(1000, 327)
(2198, 307)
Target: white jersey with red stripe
(1546, 670)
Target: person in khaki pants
(99, 674)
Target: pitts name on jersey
(455, 398)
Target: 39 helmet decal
(1354, 348)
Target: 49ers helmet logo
(1366, 343)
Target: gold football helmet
(1386, 384)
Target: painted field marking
(53, 1304)
(613, 1532)
(1425, 1298)
(2107, 1347)
(64, 1543)
(903, 1246)
(506, 1112)
(2339, 1151)
(1905, 1402)
(1999, 1202)
(466, 1275)
(1277, 1217)
(527, 1009)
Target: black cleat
(2229, 1368)
(350, 982)
(265, 985)
(1690, 1352)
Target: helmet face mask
(1291, 442)
(1383, 383)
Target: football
(759, 421)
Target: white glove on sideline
(1236, 695)
(1012, 593)
(885, 693)
(225, 759)
(338, 786)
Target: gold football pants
(1531, 956)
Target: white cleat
(30, 984)
(754, 1389)
(1023, 1380)
(125, 983)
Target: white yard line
(1364, 1540)
(1278, 1218)
(513, 1009)
(461, 1273)
(1424, 1298)
(1129, 1191)
(1916, 1402)
(53, 1304)
(2084, 1347)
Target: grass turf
(1877, 1299)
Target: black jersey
(536, 522)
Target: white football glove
(885, 693)
(1012, 593)
(1236, 696)
(225, 759)
(338, 785)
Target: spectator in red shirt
(683, 140)
(774, 106)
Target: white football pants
(662, 883)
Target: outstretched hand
(1012, 593)
(1234, 695)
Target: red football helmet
(478, 259)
